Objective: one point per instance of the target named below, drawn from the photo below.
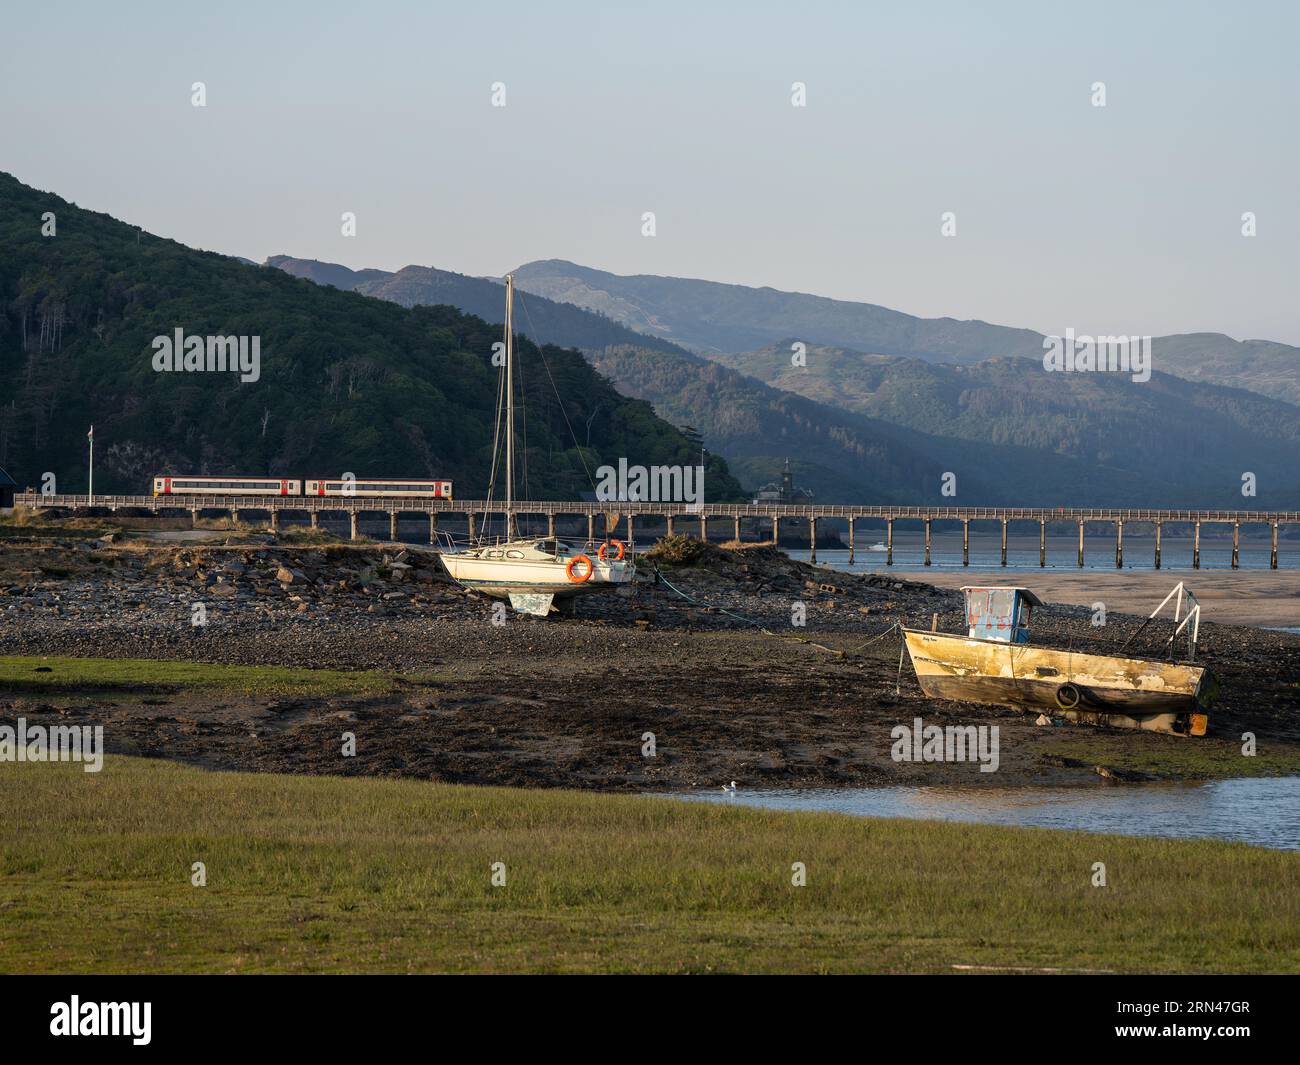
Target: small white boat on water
(533, 572)
(878, 547)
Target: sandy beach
(1264, 598)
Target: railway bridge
(696, 518)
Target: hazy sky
(1117, 219)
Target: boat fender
(603, 553)
(1067, 696)
(572, 566)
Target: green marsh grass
(320, 874)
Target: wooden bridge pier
(303, 509)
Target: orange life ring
(573, 562)
(603, 553)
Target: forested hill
(346, 383)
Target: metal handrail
(309, 504)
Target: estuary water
(1264, 811)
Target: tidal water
(1263, 811)
(1062, 552)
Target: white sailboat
(533, 572)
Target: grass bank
(71, 675)
(315, 874)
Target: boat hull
(499, 577)
(1088, 688)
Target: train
(367, 488)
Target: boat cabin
(999, 613)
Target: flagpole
(90, 493)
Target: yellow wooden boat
(995, 663)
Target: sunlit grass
(30, 673)
(330, 874)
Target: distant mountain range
(926, 397)
(717, 319)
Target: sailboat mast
(510, 403)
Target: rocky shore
(743, 663)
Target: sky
(1116, 219)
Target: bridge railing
(364, 505)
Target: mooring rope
(894, 627)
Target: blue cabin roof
(999, 613)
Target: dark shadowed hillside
(1165, 439)
(346, 382)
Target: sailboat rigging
(532, 572)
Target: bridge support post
(629, 532)
(352, 515)
(1004, 541)
(737, 528)
(850, 541)
(234, 515)
(315, 519)
(671, 528)
(1196, 545)
(433, 526)
(1272, 555)
(472, 522)
(550, 524)
(1042, 543)
(889, 541)
(704, 528)
(1159, 526)
(776, 531)
(194, 518)
(1119, 545)
(591, 527)
(1236, 544)
(275, 520)
(392, 526)
(812, 539)
(1081, 543)
(927, 541)
(965, 541)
